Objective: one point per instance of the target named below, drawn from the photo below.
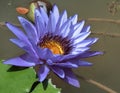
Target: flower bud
(47, 6)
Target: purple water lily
(53, 43)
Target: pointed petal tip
(101, 53)
(78, 85)
(55, 6)
(76, 15)
(95, 40)
(4, 62)
(65, 12)
(19, 17)
(82, 22)
(98, 53)
(89, 64)
(6, 23)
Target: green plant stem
(99, 85)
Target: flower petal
(51, 23)
(19, 43)
(45, 53)
(62, 19)
(67, 65)
(43, 72)
(28, 58)
(70, 78)
(44, 15)
(55, 12)
(90, 54)
(27, 47)
(58, 71)
(80, 37)
(86, 29)
(84, 63)
(19, 62)
(81, 62)
(85, 43)
(53, 19)
(79, 50)
(18, 32)
(74, 19)
(77, 28)
(65, 29)
(30, 29)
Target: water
(106, 67)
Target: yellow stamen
(55, 47)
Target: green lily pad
(21, 81)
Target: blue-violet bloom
(53, 43)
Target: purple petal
(44, 15)
(18, 32)
(55, 13)
(51, 23)
(28, 58)
(77, 28)
(80, 37)
(27, 47)
(65, 29)
(67, 65)
(80, 62)
(30, 29)
(79, 50)
(19, 62)
(74, 19)
(90, 54)
(62, 58)
(53, 19)
(86, 29)
(84, 63)
(19, 43)
(40, 24)
(43, 72)
(58, 71)
(45, 53)
(70, 78)
(85, 43)
(62, 19)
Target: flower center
(57, 44)
(54, 46)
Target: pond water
(106, 67)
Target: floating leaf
(49, 89)
(21, 81)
